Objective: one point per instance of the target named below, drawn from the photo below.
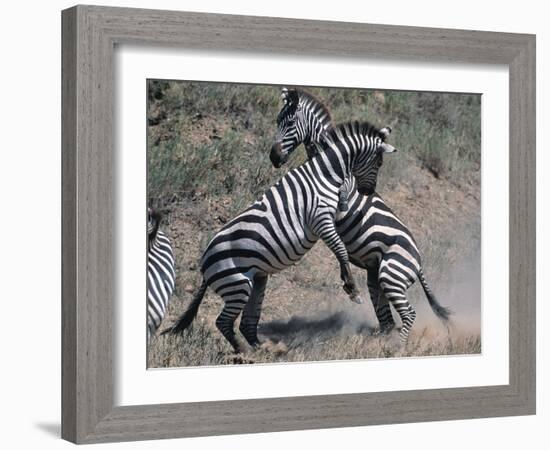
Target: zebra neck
(312, 140)
(316, 128)
(341, 150)
(332, 166)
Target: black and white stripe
(277, 230)
(161, 275)
(374, 237)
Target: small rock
(189, 288)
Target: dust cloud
(458, 288)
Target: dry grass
(201, 347)
(331, 337)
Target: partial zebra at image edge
(88, 411)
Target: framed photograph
(211, 152)
(262, 234)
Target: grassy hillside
(208, 158)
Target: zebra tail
(440, 311)
(189, 315)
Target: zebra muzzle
(366, 190)
(278, 158)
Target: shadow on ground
(299, 330)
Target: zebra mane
(308, 100)
(363, 128)
(321, 110)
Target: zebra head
(363, 146)
(303, 118)
(370, 158)
(289, 130)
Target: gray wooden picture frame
(89, 36)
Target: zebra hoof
(357, 299)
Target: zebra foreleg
(344, 193)
(252, 312)
(343, 199)
(349, 286)
(326, 230)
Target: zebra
(277, 230)
(161, 274)
(375, 238)
(315, 121)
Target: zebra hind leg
(396, 296)
(384, 315)
(380, 304)
(235, 300)
(252, 311)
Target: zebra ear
(384, 133)
(292, 97)
(387, 148)
(284, 95)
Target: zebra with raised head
(276, 231)
(374, 237)
(161, 274)
(314, 121)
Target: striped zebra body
(380, 243)
(279, 229)
(161, 275)
(375, 239)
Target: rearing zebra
(375, 238)
(161, 275)
(277, 230)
